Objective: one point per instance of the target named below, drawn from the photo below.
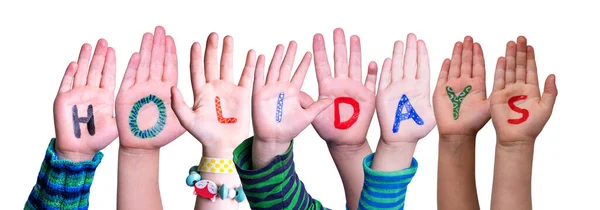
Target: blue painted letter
(279, 110)
(410, 113)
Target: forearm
(62, 183)
(456, 173)
(231, 180)
(349, 163)
(512, 176)
(137, 183)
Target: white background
(39, 38)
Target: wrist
(515, 145)
(136, 152)
(264, 151)
(393, 157)
(74, 156)
(457, 138)
(363, 148)
(217, 152)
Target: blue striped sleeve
(61, 183)
(274, 187)
(385, 190)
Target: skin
(151, 71)
(456, 159)
(218, 139)
(272, 138)
(347, 147)
(405, 73)
(86, 83)
(516, 74)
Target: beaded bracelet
(208, 189)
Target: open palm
(144, 115)
(460, 101)
(519, 112)
(403, 105)
(86, 93)
(352, 125)
(220, 116)
(276, 112)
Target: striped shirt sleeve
(385, 190)
(276, 186)
(61, 183)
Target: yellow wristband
(216, 165)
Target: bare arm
(512, 177)
(348, 160)
(456, 173)
(137, 186)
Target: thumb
(316, 108)
(305, 100)
(181, 109)
(550, 91)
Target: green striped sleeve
(274, 187)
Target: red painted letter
(353, 118)
(220, 113)
(524, 112)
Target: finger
(355, 59)
(67, 80)
(532, 77)
(157, 62)
(397, 68)
(410, 59)
(300, 74)
(550, 91)
(386, 74)
(82, 66)
(227, 59)
(145, 57)
(288, 62)
(443, 77)
(248, 72)
(371, 76)
(423, 72)
(184, 114)
(211, 69)
(305, 100)
(322, 67)
(131, 72)
(170, 71)
(108, 80)
(466, 66)
(456, 61)
(499, 79)
(521, 59)
(511, 53)
(478, 62)
(273, 73)
(340, 56)
(316, 108)
(95, 74)
(196, 69)
(259, 77)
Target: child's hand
(461, 107)
(518, 111)
(276, 112)
(403, 105)
(220, 117)
(347, 121)
(144, 115)
(83, 109)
